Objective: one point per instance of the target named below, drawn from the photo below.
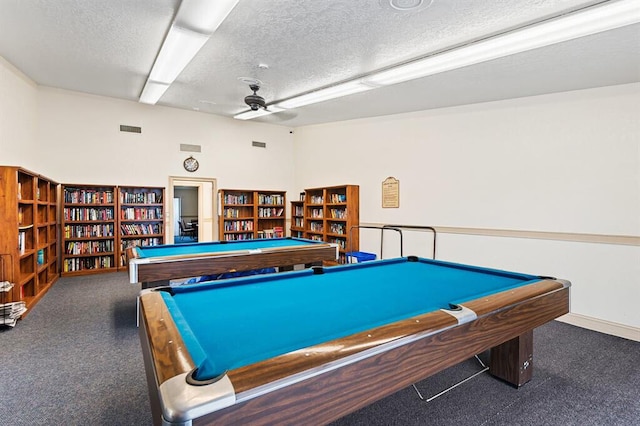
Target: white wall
(18, 118)
(566, 162)
(79, 136)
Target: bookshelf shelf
(102, 221)
(328, 214)
(141, 219)
(249, 214)
(28, 234)
(88, 229)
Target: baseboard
(602, 326)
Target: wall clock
(191, 164)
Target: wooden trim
(627, 240)
(602, 326)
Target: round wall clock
(191, 164)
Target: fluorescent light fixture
(203, 16)
(195, 21)
(612, 15)
(178, 49)
(152, 92)
(247, 115)
(332, 92)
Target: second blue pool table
(308, 347)
(156, 265)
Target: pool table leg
(512, 361)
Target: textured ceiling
(108, 47)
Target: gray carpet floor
(75, 359)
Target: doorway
(193, 203)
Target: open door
(203, 214)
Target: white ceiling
(108, 48)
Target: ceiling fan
(255, 101)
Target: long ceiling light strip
(592, 21)
(609, 16)
(195, 22)
(332, 92)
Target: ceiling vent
(190, 148)
(130, 129)
(259, 144)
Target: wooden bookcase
(28, 233)
(89, 229)
(250, 214)
(329, 215)
(297, 219)
(141, 218)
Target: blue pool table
(308, 347)
(156, 265)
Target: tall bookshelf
(250, 214)
(89, 229)
(141, 218)
(329, 215)
(28, 233)
(297, 219)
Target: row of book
(337, 228)
(84, 231)
(338, 213)
(141, 213)
(238, 225)
(273, 199)
(269, 212)
(140, 242)
(238, 237)
(236, 199)
(340, 242)
(88, 247)
(316, 213)
(232, 213)
(23, 241)
(316, 199)
(88, 213)
(316, 226)
(140, 229)
(127, 197)
(88, 196)
(337, 198)
(276, 232)
(85, 263)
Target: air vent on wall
(259, 144)
(130, 129)
(190, 148)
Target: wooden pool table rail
(368, 366)
(174, 267)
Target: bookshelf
(297, 219)
(250, 214)
(89, 243)
(329, 214)
(141, 219)
(28, 233)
